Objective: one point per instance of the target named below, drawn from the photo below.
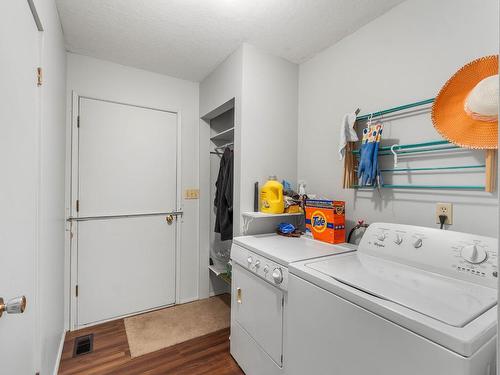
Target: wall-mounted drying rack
(351, 162)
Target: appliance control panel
(260, 266)
(464, 256)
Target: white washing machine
(410, 301)
(259, 296)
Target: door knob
(14, 306)
(170, 219)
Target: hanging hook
(395, 155)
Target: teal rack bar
(434, 149)
(428, 146)
(395, 109)
(433, 168)
(415, 145)
(442, 187)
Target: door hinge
(78, 121)
(39, 77)
(283, 301)
(77, 205)
(76, 291)
(282, 359)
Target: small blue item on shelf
(286, 228)
(287, 185)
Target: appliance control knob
(249, 260)
(266, 268)
(473, 254)
(277, 276)
(398, 239)
(381, 237)
(257, 263)
(417, 243)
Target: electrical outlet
(192, 194)
(444, 209)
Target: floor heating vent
(83, 345)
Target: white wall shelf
(261, 222)
(217, 271)
(221, 273)
(258, 215)
(224, 136)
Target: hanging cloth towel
(347, 133)
(223, 201)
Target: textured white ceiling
(188, 38)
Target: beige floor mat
(160, 329)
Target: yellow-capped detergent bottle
(271, 197)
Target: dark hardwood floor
(203, 355)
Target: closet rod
(224, 146)
(395, 109)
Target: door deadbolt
(169, 219)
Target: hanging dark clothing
(224, 197)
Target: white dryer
(411, 301)
(259, 296)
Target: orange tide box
(326, 220)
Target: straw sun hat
(465, 111)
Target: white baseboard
(219, 291)
(188, 299)
(59, 353)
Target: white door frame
(72, 193)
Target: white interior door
(127, 159)
(19, 128)
(127, 183)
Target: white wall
(102, 79)
(268, 122)
(51, 190)
(223, 84)
(402, 57)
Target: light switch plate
(444, 209)
(192, 194)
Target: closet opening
(221, 196)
